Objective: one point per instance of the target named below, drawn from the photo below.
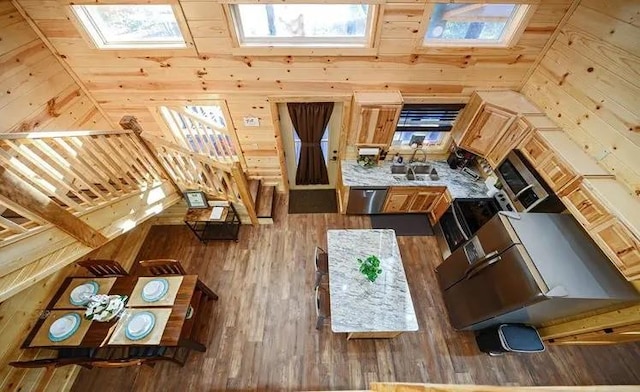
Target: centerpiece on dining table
(102, 307)
(370, 267)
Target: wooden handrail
(226, 167)
(55, 134)
(245, 192)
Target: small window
(316, 25)
(425, 124)
(131, 26)
(474, 24)
(202, 129)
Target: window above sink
(425, 125)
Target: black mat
(403, 224)
(321, 201)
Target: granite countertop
(358, 305)
(459, 184)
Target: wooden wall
(36, 92)
(128, 82)
(589, 83)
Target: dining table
(361, 308)
(171, 323)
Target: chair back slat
(103, 267)
(163, 267)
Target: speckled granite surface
(459, 184)
(358, 305)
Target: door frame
(345, 99)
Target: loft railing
(194, 171)
(77, 171)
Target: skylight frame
(93, 32)
(241, 41)
(511, 33)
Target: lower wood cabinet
(440, 207)
(404, 199)
(622, 247)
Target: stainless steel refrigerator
(528, 268)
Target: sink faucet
(411, 173)
(413, 157)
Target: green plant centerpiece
(366, 161)
(370, 267)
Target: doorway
(329, 145)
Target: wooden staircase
(264, 200)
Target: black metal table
(225, 228)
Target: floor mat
(317, 201)
(403, 224)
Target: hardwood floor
(263, 336)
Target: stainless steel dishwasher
(366, 200)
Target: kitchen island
(364, 309)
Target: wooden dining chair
(103, 268)
(321, 260)
(323, 309)
(67, 356)
(163, 267)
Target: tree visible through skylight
(476, 22)
(271, 23)
(131, 25)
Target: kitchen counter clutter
(459, 184)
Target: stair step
(264, 209)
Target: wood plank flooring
(263, 336)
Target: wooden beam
(19, 192)
(55, 134)
(245, 193)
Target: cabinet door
(377, 124)
(535, 149)
(398, 200)
(511, 138)
(440, 207)
(622, 247)
(557, 172)
(486, 129)
(585, 207)
(424, 199)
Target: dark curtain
(309, 121)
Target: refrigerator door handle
(488, 260)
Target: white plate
(80, 295)
(63, 326)
(154, 290)
(140, 325)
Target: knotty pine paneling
(127, 82)
(589, 83)
(36, 92)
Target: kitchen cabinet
(584, 206)
(512, 137)
(408, 199)
(620, 245)
(440, 207)
(559, 160)
(487, 118)
(374, 117)
(398, 199)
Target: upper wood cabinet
(375, 116)
(558, 159)
(487, 118)
(403, 199)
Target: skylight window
(474, 24)
(131, 26)
(318, 25)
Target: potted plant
(370, 267)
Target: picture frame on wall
(196, 199)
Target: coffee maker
(459, 158)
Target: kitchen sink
(404, 178)
(418, 169)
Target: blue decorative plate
(140, 325)
(64, 327)
(155, 289)
(91, 287)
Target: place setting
(140, 326)
(61, 328)
(155, 291)
(80, 290)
